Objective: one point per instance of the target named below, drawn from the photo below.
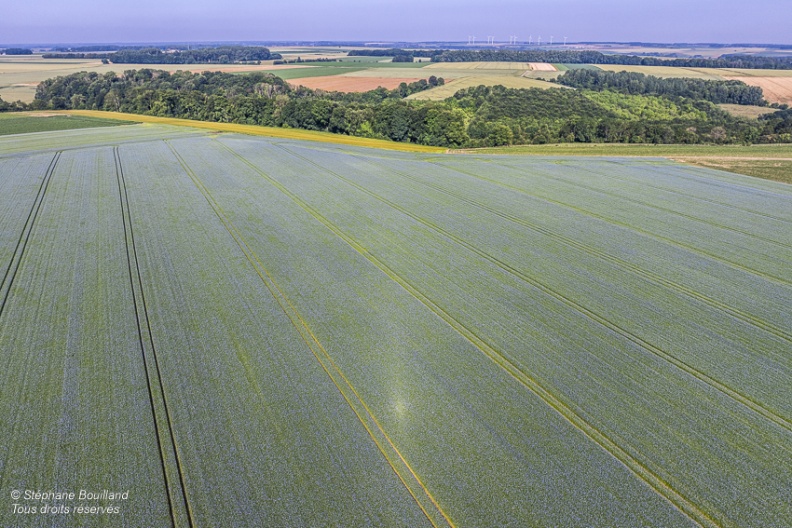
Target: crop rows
(383, 338)
(74, 408)
(729, 246)
(453, 279)
(258, 332)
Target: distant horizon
(371, 42)
(170, 21)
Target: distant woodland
(17, 51)
(606, 108)
(631, 83)
(221, 55)
(595, 57)
(581, 57)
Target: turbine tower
(551, 40)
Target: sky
(108, 21)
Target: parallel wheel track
(176, 490)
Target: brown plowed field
(341, 83)
(776, 89)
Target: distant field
(768, 169)
(521, 66)
(542, 66)
(682, 51)
(345, 83)
(20, 76)
(454, 85)
(303, 71)
(382, 63)
(751, 112)
(664, 71)
(744, 72)
(565, 67)
(23, 123)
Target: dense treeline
(76, 55)
(504, 116)
(734, 92)
(220, 55)
(779, 123)
(18, 51)
(482, 116)
(99, 47)
(136, 90)
(17, 106)
(595, 57)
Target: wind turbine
(565, 42)
(539, 40)
(530, 39)
(551, 40)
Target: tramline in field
(271, 332)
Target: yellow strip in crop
(254, 130)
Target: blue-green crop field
(248, 331)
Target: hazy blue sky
(71, 21)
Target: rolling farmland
(19, 76)
(775, 84)
(271, 332)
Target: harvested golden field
(458, 70)
(746, 72)
(522, 66)
(349, 83)
(665, 71)
(542, 66)
(775, 89)
(454, 85)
